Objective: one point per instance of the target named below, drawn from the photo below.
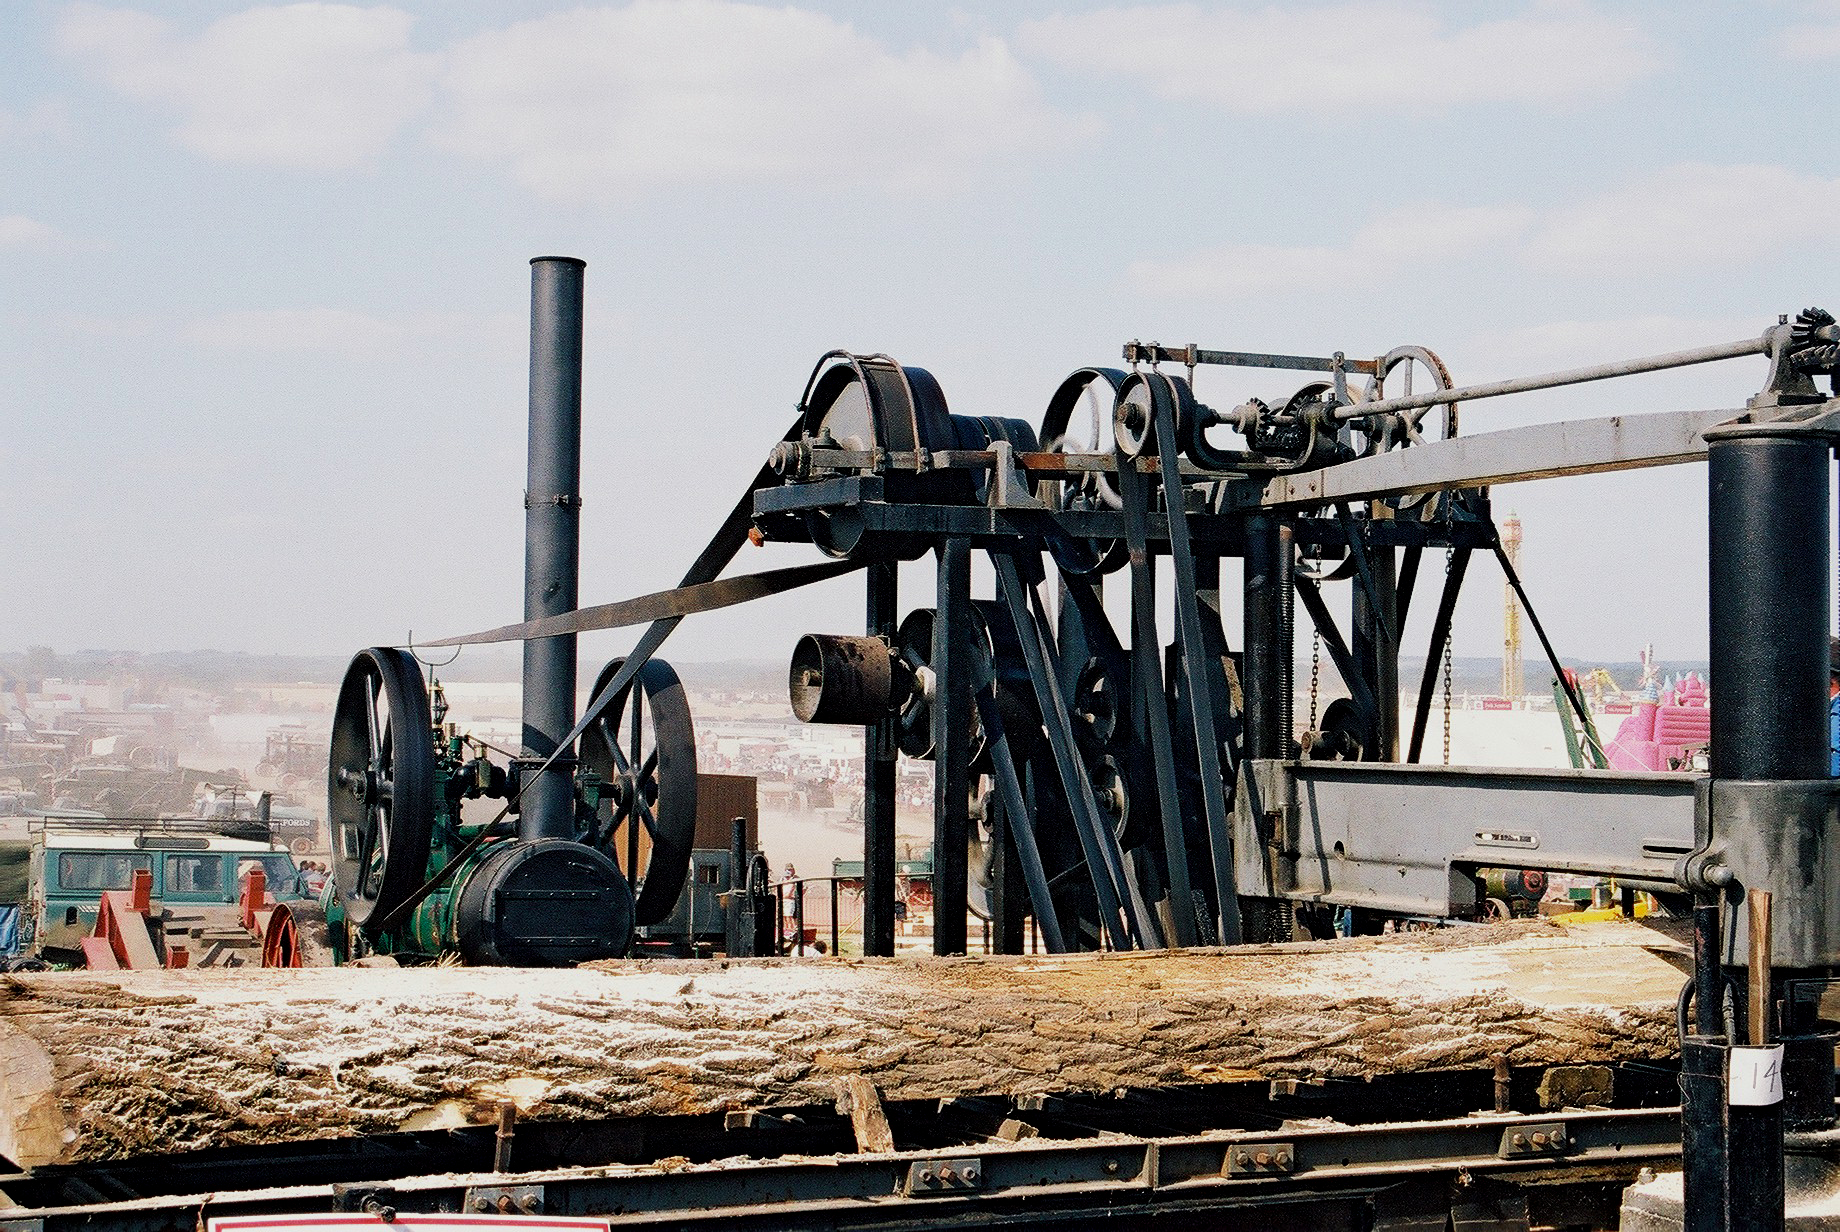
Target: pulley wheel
(1397, 370)
(380, 784)
(1079, 420)
(868, 402)
(644, 747)
(297, 936)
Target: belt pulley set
(1102, 766)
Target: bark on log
(109, 1065)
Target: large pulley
(380, 785)
(869, 404)
(643, 746)
(1079, 420)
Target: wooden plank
(111, 1065)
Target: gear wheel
(1812, 342)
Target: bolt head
(970, 1174)
(1284, 1159)
(481, 1205)
(1262, 1158)
(1519, 1140)
(1111, 1167)
(1539, 1140)
(927, 1177)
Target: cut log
(112, 1065)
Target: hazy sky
(264, 293)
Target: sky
(264, 287)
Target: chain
(1450, 556)
(1315, 674)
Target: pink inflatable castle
(1662, 731)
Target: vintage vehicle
(69, 862)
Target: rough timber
(101, 1066)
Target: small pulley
(994, 634)
(1394, 378)
(643, 746)
(380, 785)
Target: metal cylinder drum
(551, 902)
(552, 533)
(1769, 561)
(837, 678)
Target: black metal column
(1768, 568)
(1260, 681)
(951, 744)
(552, 536)
(1375, 650)
(878, 786)
(1769, 615)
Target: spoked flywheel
(1394, 380)
(380, 784)
(644, 747)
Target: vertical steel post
(879, 783)
(1768, 590)
(1259, 681)
(1375, 650)
(740, 918)
(1768, 567)
(552, 536)
(951, 744)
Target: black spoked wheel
(1395, 380)
(644, 747)
(380, 784)
(1078, 420)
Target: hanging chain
(1315, 674)
(1450, 556)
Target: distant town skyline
(263, 283)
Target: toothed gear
(1820, 359)
(1808, 322)
(1813, 347)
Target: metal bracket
(1260, 1159)
(1008, 489)
(930, 1178)
(377, 1200)
(504, 1200)
(1540, 1138)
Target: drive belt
(672, 604)
(715, 556)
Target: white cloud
(1576, 343)
(305, 86)
(596, 102)
(1689, 216)
(18, 231)
(1808, 42)
(344, 332)
(1693, 213)
(1391, 242)
(46, 118)
(1348, 57)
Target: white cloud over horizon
(1690, 214)
(584, 104)
(1340, 58)
(594, 102)
(313, 87)
(16, 230)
